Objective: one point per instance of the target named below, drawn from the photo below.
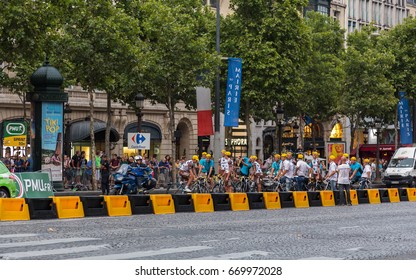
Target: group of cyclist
(290, 173)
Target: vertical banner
(52, 122)
(203, 105)
(232, 97)
(406, 131)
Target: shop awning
(372, 148)
(80, 131)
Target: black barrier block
(286, 199)
(403, 194)
(94, 206)
(336, 197)
(362, 196)
(41, 208)
(183, 203)
(384, 195)
(256, 201)
(141, 204)
(221, 201)
(314, 199)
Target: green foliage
(368, 91)
(323, 73)
(273, 42)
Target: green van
(8, 186)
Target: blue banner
(232, 97)
(406, 131)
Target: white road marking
(349, 227)
(18, 235)
(45, 242)
(207, 241)
(62, 251)
(321, 258)
(354, 249)
(234, 238)
(144, 254)
(231, 256)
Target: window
(322, 9)
(336, 131)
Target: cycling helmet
(195, 157)
(208, 156)
(332, 157)
(228, 153)
(300, 156)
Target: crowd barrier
(64, 207)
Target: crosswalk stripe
(317, 258)
(18, 235)
(238, 255)
(62, 251)
(143, 254)
(45, 242)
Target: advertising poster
(14, 133)
(52, 128)
(337, 150)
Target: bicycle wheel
(237, 186)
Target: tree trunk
(352, 130)
(92, 150)
(172, 128)
(108, 127)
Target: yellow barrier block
(411, 194)
(272, 200)
(118, 205)
(239, 202)
(327, 198)
(394, 195)
(354, 197)
(68, 207)
(14, 209)
(373, 196)
(301, 199)
(203, 202)
(163, 204)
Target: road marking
(18, 235)
(238, 255)
(213, 240)
(143, 254)
(321, 258)
(62, 251)
(45, 242)
(354, 249)
(349, 227)
(234, 238)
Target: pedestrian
(105, 175)
(302, 171)
(343, 171)
(114, 165)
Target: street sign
(139, 141)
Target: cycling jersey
(303, 168)
(224, 166)
(289, 167)
(188, 165)
(257, 167)
(315, 166)
(333, 167)
(245, 168)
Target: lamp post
(279, 114)
(67, 114)
(377, 124)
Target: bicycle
(219, 186)
(200, 185)
(365, 184)
(242, 185)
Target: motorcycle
(133, 180)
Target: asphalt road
(366, 231)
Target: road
(366, 231)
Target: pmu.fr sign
(139, 141)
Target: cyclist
(366, 176)
(332, 175)
(224, 169)
(187, 172)
(206, 168)
(316, 167)
(276, 166)
(287, 169)
(302, 171)
(258, 173)
(356, 170)
(245, 163)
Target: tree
(273, 41)
(177, 33)
(368, 90)
(101, 44)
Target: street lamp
(139, 99)
(279, 114)
(67, 143)
(377, 125)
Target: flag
(406, 130)
(307, 119)
(203, 105)
(233, 92)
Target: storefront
(155, 139)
